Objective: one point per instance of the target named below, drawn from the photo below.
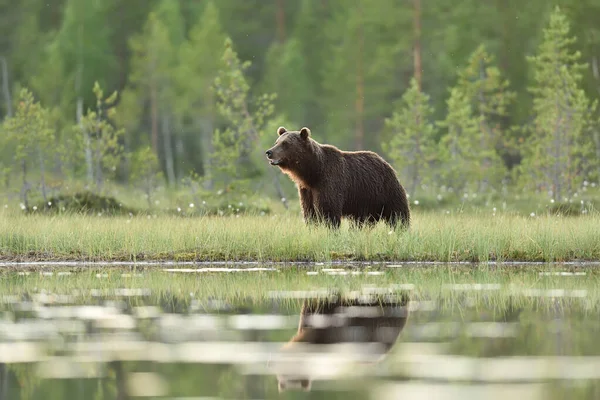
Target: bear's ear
(281, 130)
(304, 133)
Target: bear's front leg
(308, 208)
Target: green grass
(502, 287)
(432, 237)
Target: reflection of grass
(489, 288)
(433, 236)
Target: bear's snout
(269, 153)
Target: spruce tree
(488, 94)
(561, 112)
(412, 143)
(459, 153)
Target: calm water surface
(371, 343)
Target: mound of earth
(83, 203)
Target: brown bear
(332, 183)
(366, 320)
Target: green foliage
(246, 118)
(286, 76)
(358, 78)
(199, 62)
(104, 137)
(488, 93)
(412, 144)
(145, 171)
(459, 147)
(562, 114)
(32, 136)
(163, 57)
(469, 149)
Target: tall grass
(432, 237)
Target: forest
(172, 103)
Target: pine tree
(246, 118)
(105, 138)
(152, 78)
(358, 77)
(30, 130)
(561, 113)
(199, 62)
(146, 171)
(412, 144)
(286, 75)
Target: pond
(384, 331)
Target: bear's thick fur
(333, 183)
(369, 320)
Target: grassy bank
(432, 237)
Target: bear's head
(291, 148)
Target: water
(152, 334)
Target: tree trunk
(207, 150)
(6, 86)
(417, 44)
(360, 86)
(596, 73)
(280, 17)
(43, 173)
(179, 157)
(120, 379)
(87, 142)
(79, 111)
(166, 131)
(487, 141)
(99, 177)
(154, 116)
(25, 187)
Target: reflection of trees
(119, 381)
(3, 382)
(544, 328)
(27, 379)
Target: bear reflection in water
(372, 321)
